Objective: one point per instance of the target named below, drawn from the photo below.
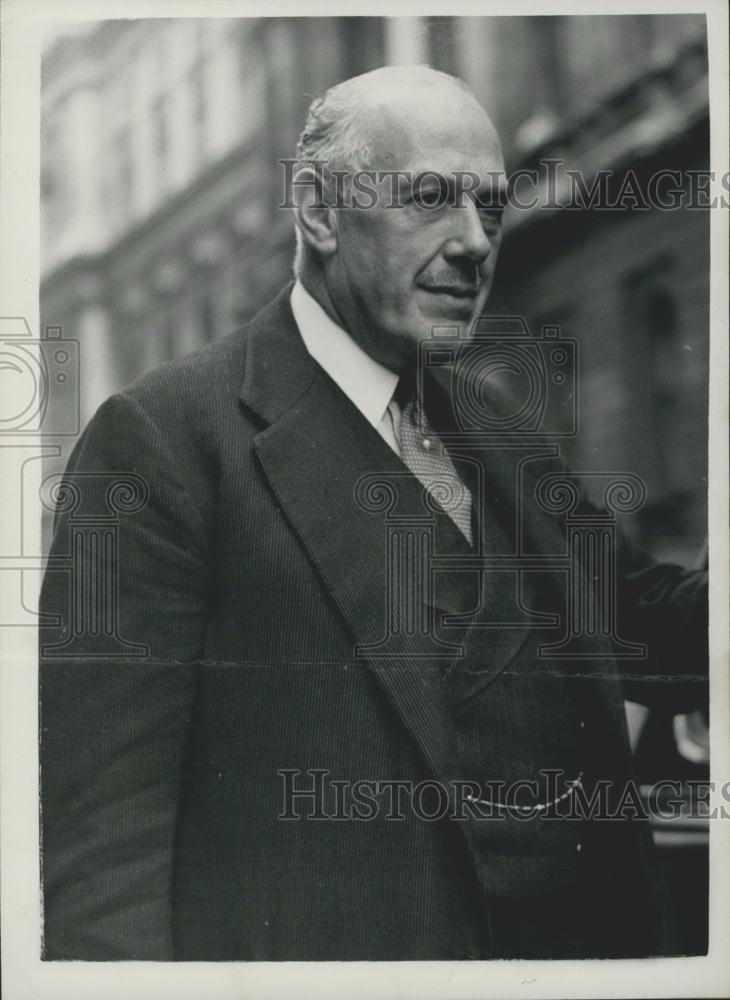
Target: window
(198, 97)
(160, 142)
(53, 170)
(122, 170)
(198, 109)
(442, 43)
(665, 364)
(670, 453)
(363, 44)
(206, 314)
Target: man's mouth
(455, 291)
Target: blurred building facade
(160, 186)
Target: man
(213, 750)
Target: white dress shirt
(367, 383)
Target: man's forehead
(430, 128)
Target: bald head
(366, 121)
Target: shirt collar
(367, 383)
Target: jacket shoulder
(211, 375)
(207, 381)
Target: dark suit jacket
(243, 585)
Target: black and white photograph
(364, 441)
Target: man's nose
(471, 240)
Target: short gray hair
(333, 132)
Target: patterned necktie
(430, 463)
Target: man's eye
(493, 216)
(431, 198)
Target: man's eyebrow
(491, 188)
(490, 191)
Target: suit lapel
(315, 448)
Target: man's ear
(317, 220)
